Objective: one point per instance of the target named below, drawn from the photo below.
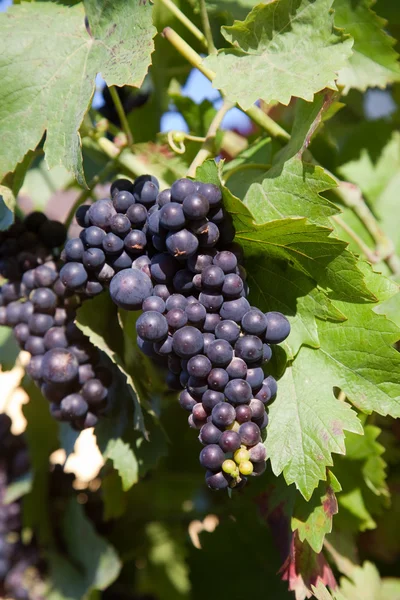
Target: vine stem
(370, 254)
(121, 114)
(348, 193)
(205, 21)
(185, 21)
(208, 146)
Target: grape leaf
(307, 423)
(366, 583)
(374, 62)
(55, 73)
(270, 58)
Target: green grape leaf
(55, 73)
(114, 499)
(9, 349)
(307, 423)
(374, 62)
(365, 582)
(270, 58)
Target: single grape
(152, 326)
(123, 261)
(59, 365)
(209, 434)
(129, 287)
(196, 313)
(35, 345)
(267, 353)
(85, 373)
(183, 281)
(162, 291)
(182, 188)
(141, 180)
(93, 258)
(249, 348)
(255, 378)
(220, 353)
(21, 332)
(101, 212)
(209, 235)
(212, 457)
(73, 406)
(43, 300)
(246, 467)
(223, 414)
(55, 392)
(243, 413)
(237, 369)
(195, 206)
(120, 225)
(182, 243)
(137, 214)
(120, 185)
(258, 453)
(74, 249)
(172, 216)
(257, 409)
(229, 441)
(39, 323)
(211, 192)
(264, 394)
(94, 392)
(26, 310)
(82, 216)
(73, 275)
(187, 342)
(199, 366)
(217, 379)
(195, 423)
(135, 242)
(122, 200)
(163, 268)
(45, 276)
(271, 383)
(176, 318)
(234, 310)
(216, 481)
(92, 237)
(259, 468)
(28, 279)
(278, 328)
(153, 303)
(232, 286)
(199, 412)
(34, 367)
(105, 274)
(13, 313)
(212, 301)
(176, 301)
(227, 330)
(241, 455)
(211, 398)
(187, 401)
(254, 322)
(145, 192)
(164, 197)
(164, 348)
(238, 391)
(249, 434)
(200, 260)
(212, 277)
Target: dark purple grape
(152, 326)
(120, 185)
(113, 244)
(172, 216)
(249, 348)
(217, 215)
(163, 268)
(94, 392)
(85, 373)
(162, 291)
(55, 392)
(39, 323)
(105, 274)
(122, 201)
(233, 286)
(73, 250)
(141, 180)
(200, 260)
(263, 422)
(278, 328)
(264, 394)
(212, 193)
(187, 401)
(176, 318)
(195, 206)
(211, 398)
(255, 378)
(181, 244)
(211, 322)
(59, 366)
(220, 353)
(176, 301)
(13, 313)
(212, 277)
(199, 366)
(217, 379)
(234, 309)
(229, 441)
(212, 457)
(209, 434)
(59, 288)
(34, 368)
(243, 413)
(129, 287)
(183, 281)
(227, 330)
(182, 188)
(238, 391)
(249, 434)
(164, 348)
(164, 197)
(55, 338)
(73, 406)
(257, 409)
(195, 423)
(196, 313)
(137, 214)
(237, 369)
(35, 345)
(82, 216)
(267, 353)
(28, 279)
(187, 342)
(90, 420)
(254, 322)
(73, 275)
(45, 276)
(101, 212)
(21, 332)
(123, 261)
(43, 299)
(199, 412)
(135, 242)
(60, 317)
(93, 258)
(120, 225)
(153, 223)
(271, 383)
(217, 481)
(197, 386)
(258, 453)
(212, 301)
(92, 237)
(208, 235)
(145, 192)
(26, 310)
(223, 414)
(153, 303)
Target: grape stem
(349, 194)
(370, 254)
(185, 21)
(121, 114)
(205, 21)
(207, 148)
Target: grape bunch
(63, 363)
(16, 559)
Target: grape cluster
(15, 557)
(63, 363)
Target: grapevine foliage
(168, 272)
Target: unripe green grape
(246, 467)
(229, 466)
(241, 455)
(234, 426)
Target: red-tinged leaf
(304, 568)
